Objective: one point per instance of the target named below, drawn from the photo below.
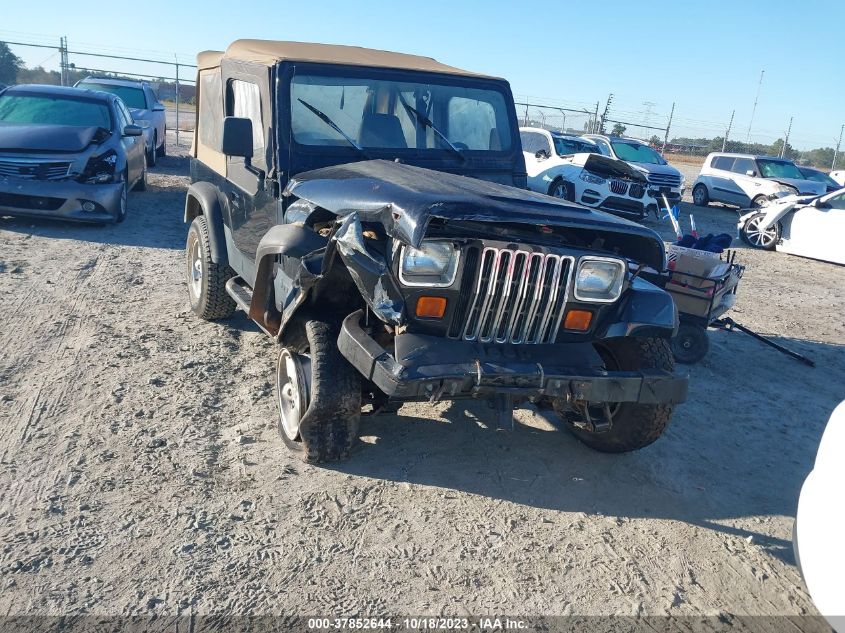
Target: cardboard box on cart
(694, 291)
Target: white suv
(572, 168)
(748, 181)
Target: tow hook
(591, 424)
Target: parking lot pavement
(142, 472)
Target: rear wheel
(319, 397)
(206, 280)
(633, 425)
(690, 344)
(700, 196)
(757, 237)
(162, 149)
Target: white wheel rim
(757, 236)
(559, 191)
(289, 394)
(196, 269)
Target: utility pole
(63, 65)
(786, 140)
(526, 112)
(836, 151)
(754, 109)
(668, 125)
(604, 114)
(595, 119)
(728, 131)
(649, 105)
(177, 100)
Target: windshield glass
(819, 176)
(637, 153)
(565, 146)
(379, 113)
(132, 97)
(43, 110)
(778, 169)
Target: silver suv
(746, 180)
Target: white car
(748, 181)
(808, 226)
(818, 533)
(839, 176)
(571, 168)
(664, 180)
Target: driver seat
(381, 130)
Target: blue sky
(704, 56)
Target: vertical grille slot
(516, 297)
(467, 282)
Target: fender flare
(290, 240)
(203, 198)
(646, 311)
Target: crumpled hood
(404, 198)
(653, 168)
(803, 186)
(606, 166)
(46, 138)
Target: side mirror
(237, 137)
(133, 130)
(541, 154)
(751, 173)
(158, 107)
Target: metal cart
(702, 302)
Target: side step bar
(238, 289)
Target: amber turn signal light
(578, 320)
(431, 307)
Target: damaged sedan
(68, 153)
(368, 211)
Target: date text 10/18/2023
(419, 624)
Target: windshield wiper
(325, 119)
(427, 122)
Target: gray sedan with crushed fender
(68, 153)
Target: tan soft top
(270, 52)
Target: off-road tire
(634, 425)
(703, 197)
(211, 302)
(690, 344)
(329, 428)
(153, 153)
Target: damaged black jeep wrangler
(368, 211)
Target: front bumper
(673, 194)
(59, 199)
(435, 368)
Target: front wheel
(633, 425)
(562, 190)
(757, 237)
(319, 397)
(123, 203)
(206, 280)
(700, 197)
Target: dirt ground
(142, 473)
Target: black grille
(30, 202)
(636, 191)
(619, 187)
(664, 179)
(467, 283)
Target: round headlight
(599, 280)
(433, 264)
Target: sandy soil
(142, 473)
